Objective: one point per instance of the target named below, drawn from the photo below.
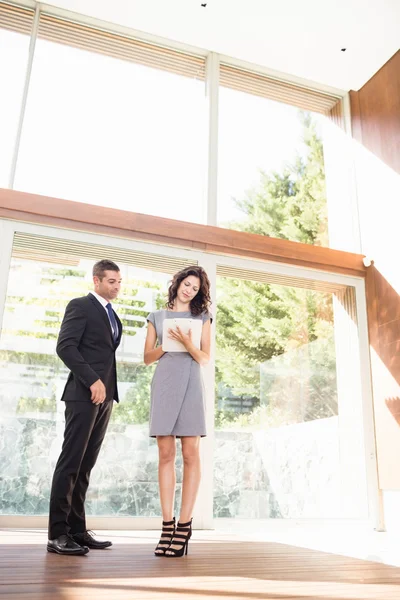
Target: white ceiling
(302, 38)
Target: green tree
(136, 405)
(291, 205)
(258, 321)
(41, 370)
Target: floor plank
(224, 567)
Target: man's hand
(98, 392)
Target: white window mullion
(204, 509)
(212, 94)
(6, 246)
(31, 53)
(375, 497)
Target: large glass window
(271, 177)
(289, 439)
(15, 26)
(287, 410)
(32, 377)
(114, 122)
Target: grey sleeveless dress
(177, 389)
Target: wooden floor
(218, 567)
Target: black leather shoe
(66, 545)
(87, 539)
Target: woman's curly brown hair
(201, 302)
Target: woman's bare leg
(166, 475)
(191, 480)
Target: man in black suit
(89, 336)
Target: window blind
(70, 252)
(258, 84)
(15, 18)
(118, 46)
(280, 279)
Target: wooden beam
(45, 210)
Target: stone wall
(286, 472)
(291, 471)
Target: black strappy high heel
(181, 537)
(167, 533)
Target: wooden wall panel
(376, 127)
(376, 113)
(384, 332)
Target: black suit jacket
(86, 346)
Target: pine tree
(258, 321)
(291, 205)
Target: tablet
(170, 345)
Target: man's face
(108, 287)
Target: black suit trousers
(85, 427)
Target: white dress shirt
(104, 303)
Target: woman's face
(188, 289)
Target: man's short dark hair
(104, 265)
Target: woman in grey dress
(177, 401)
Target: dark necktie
(112, 321)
